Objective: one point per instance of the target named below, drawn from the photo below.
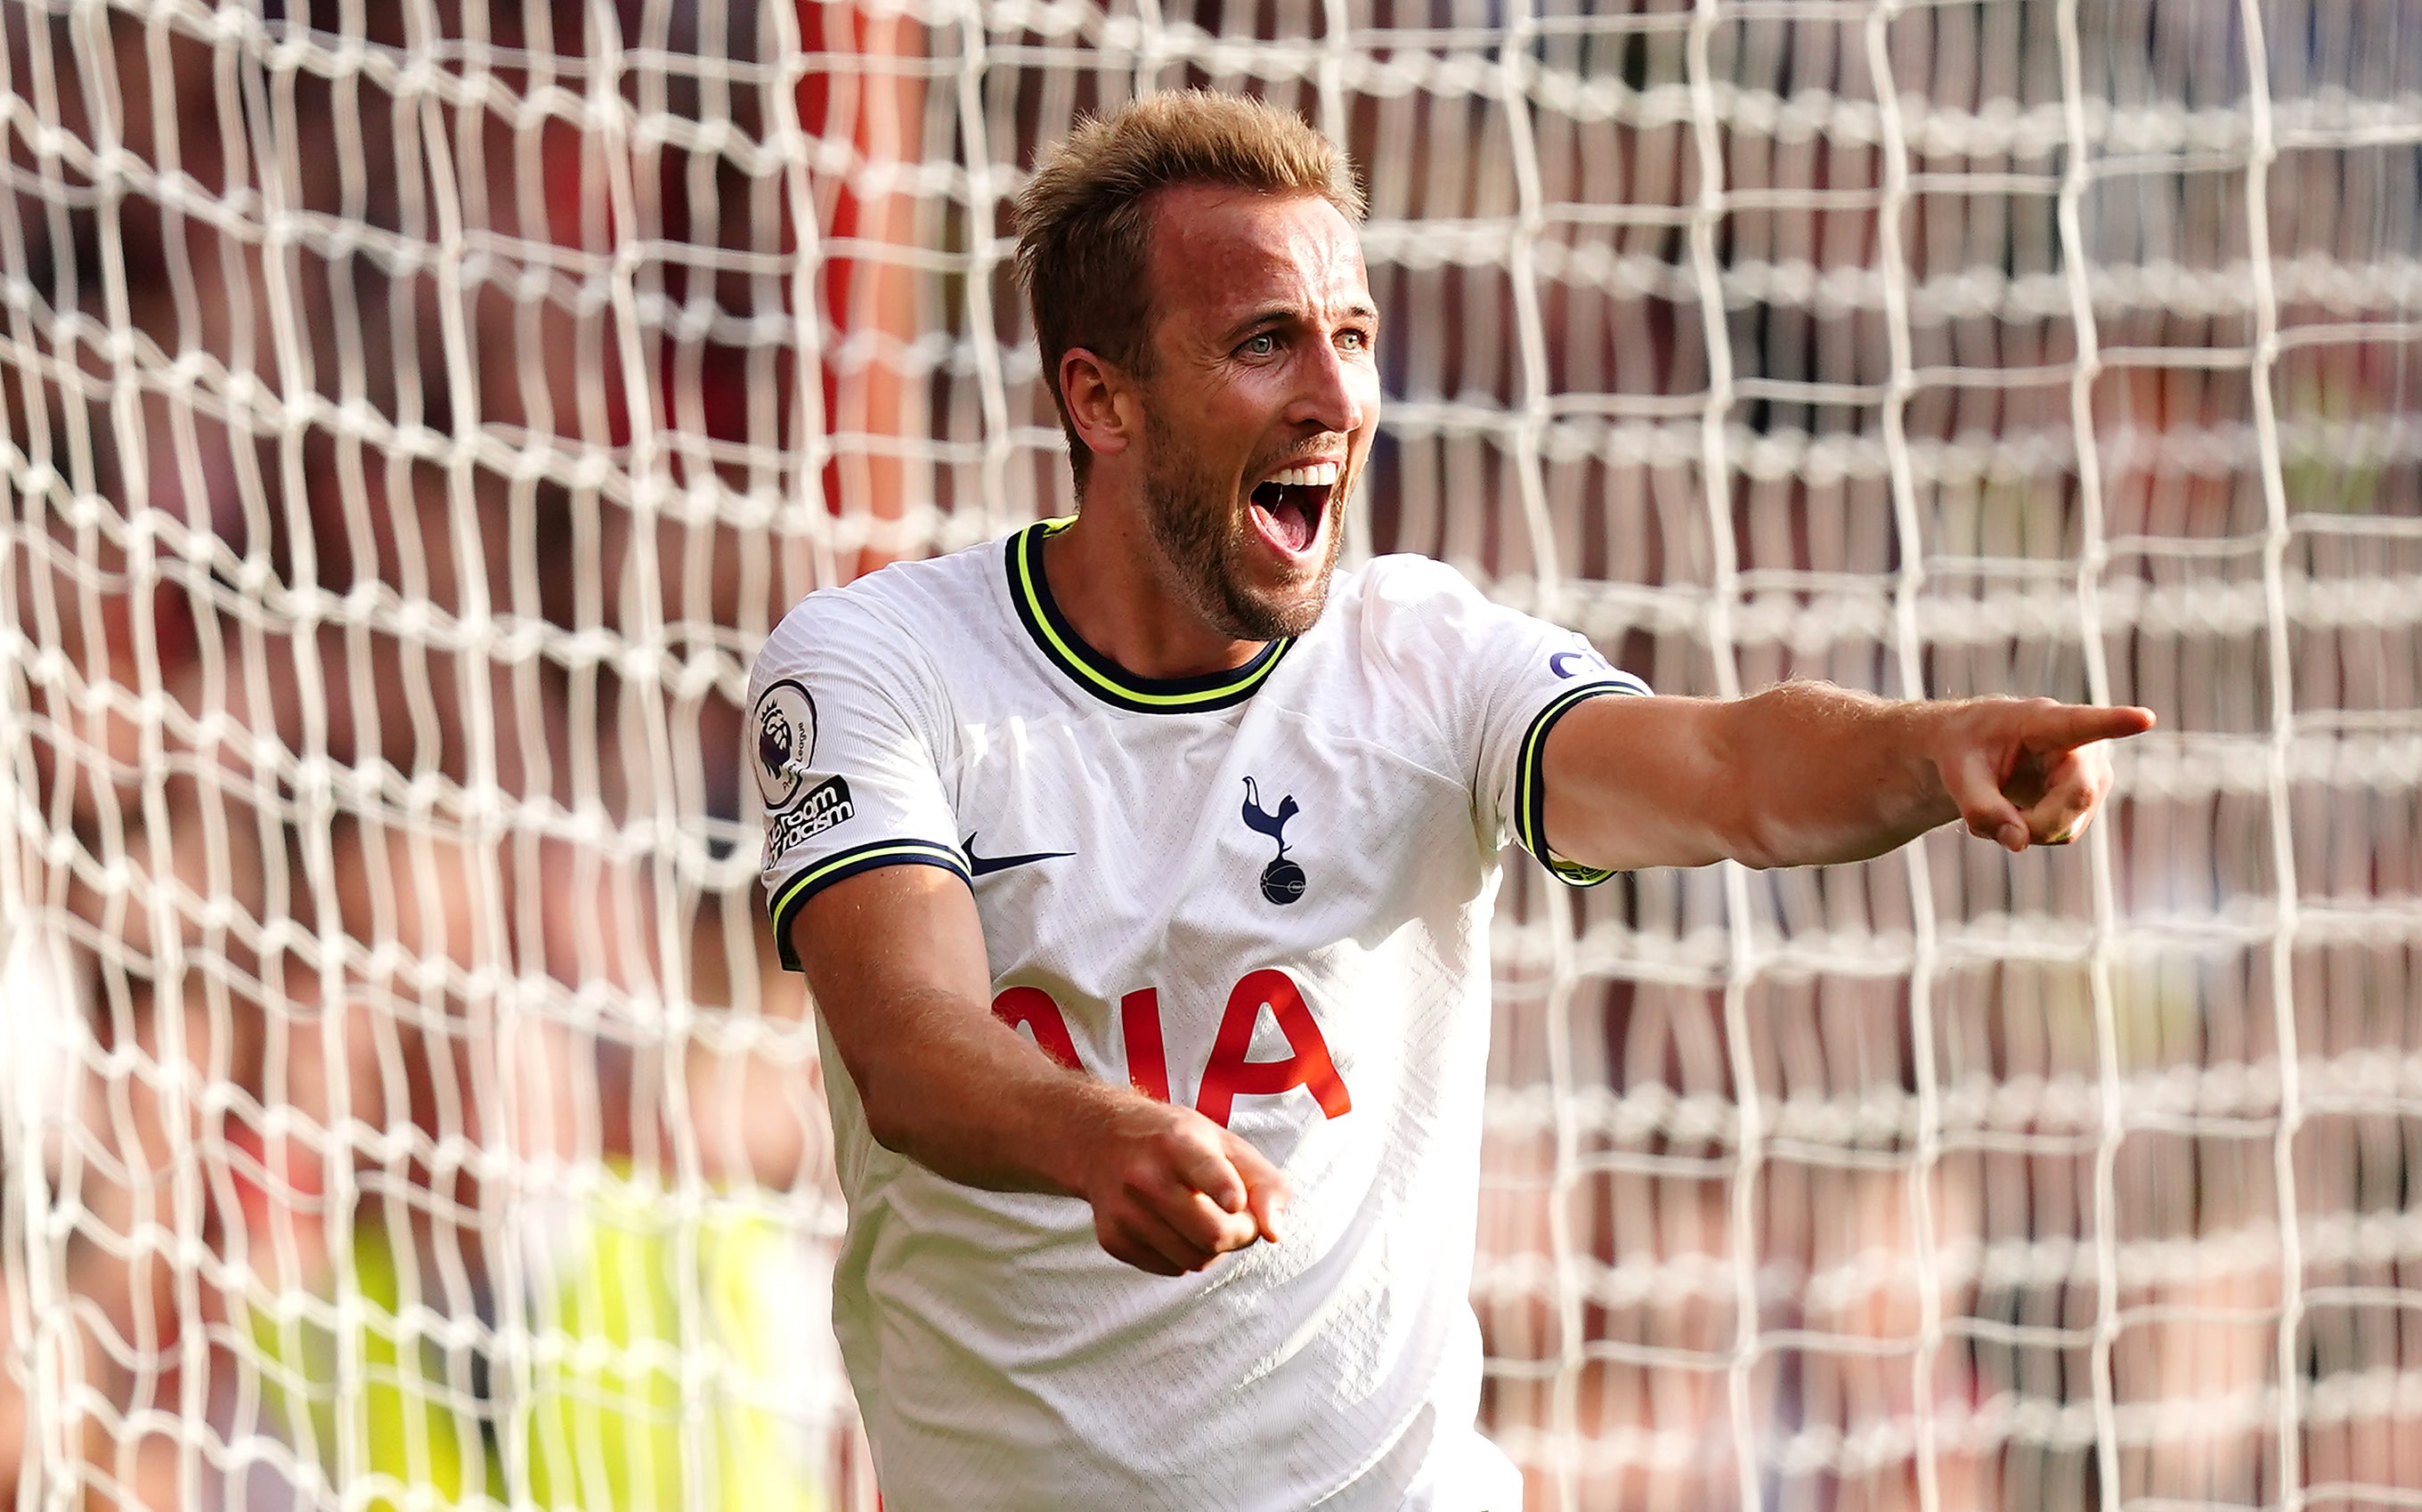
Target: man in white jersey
(1141, 869)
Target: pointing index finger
(2068, 726)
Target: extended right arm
(895, 960)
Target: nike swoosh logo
(986, 865)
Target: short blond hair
(1084, 220)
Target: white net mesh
(415, 413)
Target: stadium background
(414, 414)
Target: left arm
(1806, 773)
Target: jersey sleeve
(1500, 680)
(844, 741)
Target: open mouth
(1289, 504)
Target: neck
(1110, 579)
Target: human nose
(1332, 394)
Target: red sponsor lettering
(1034, 1008)
(1229, 1074)
(1139, 1025)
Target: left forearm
(1820, 774)
(1806, 774)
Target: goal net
(414, 416)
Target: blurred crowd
(384, 603)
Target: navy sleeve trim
(787, 900)
(1530, 779)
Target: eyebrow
(1274, 313)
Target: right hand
(1172, 1192)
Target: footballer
(1141, 866)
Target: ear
(1101, 400)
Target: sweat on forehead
(1221, 255)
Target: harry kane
(1140, 865)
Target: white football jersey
(1263, 893)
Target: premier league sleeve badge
(784, 743)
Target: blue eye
(1353, 340)
(1262, 345)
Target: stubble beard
(1206, 540)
